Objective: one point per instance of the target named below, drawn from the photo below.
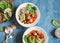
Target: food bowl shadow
(18, 36)
(53, 33)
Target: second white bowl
(38, 29)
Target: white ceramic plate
(38, 29)
(18, 11)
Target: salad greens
(22, 17)
(6, 16)
(4, 5)
(1, 29)
(10, 6)
(32, 39)
(6, 10)
(26, 39)
(31, 9)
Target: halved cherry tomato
(34, 15)
(28, 16)
(38, 36)
(28, 22)
(41, 35)
(30, 34)
(34, 32)
(31, 20)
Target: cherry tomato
(34, 15)
(24, 21)
(31, 20)
(30, 34)
(38, 36)
(41, 35)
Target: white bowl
(27, 25)
(57, 32)
(38, 29)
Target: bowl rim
(28, 25)
(38, 28)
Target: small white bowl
(57, 32)
(38, 29)
(27, 25)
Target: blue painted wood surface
(50, 9)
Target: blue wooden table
(50, 9)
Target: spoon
(9, 32)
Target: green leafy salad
(6, 11)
